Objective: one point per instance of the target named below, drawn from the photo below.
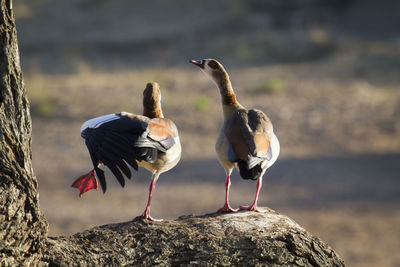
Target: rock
(243, 238)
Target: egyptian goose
(246, 141)
(150, 141)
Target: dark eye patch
(212, 64)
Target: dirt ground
(326, 74)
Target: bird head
(211, 68)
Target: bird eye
(212, 64)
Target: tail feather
(253, 161)
(148, 154)
(249, 173)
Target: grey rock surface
(243, 238)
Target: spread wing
(248, 133)
(126, 139)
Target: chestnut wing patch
(163, 131)
(261, 142)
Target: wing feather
(126, 150)
(126, 140)
(110, 163)
(117, 157)
(102, 178)
(95, 161)
(248, 132)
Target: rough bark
(236, 239)
(22, 227)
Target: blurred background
(326, 72)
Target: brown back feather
(249, 132)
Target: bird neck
(153, 112)
(228, 96)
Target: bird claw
(227, 208)
(147, 216)
(252, 208)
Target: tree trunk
(22, 227)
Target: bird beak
(198, 63)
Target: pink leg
(227, 207)
(146, 213)
(254, 206)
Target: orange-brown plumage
(261, 142)
(229, 99)
(160, 129)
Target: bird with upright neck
(246, 141)
(115, 140)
